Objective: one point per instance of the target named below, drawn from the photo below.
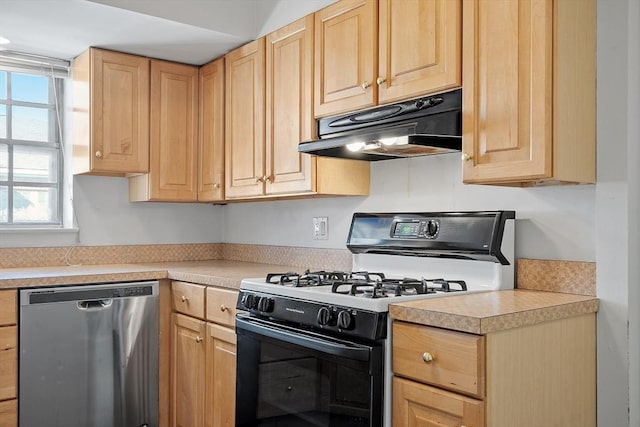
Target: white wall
(105, 216)
(286, 11)
(617, 198)
(633, 160)
(553, 222)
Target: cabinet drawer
(8, 308)
(221, 306)
(457, 358)
(9, 413)
(416, 404)
(8, 362)
(188, 298)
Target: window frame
(55, 108)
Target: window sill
(38, 230)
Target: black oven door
(288, 377)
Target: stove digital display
(406, 229)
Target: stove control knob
(324, 316)
(344, 320)
(249, 301)
(265, 304)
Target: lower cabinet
(529, 376)
(420, 405)
(220, 390)
(187, 371)
(8, 359)
(9, 413)
(203, 357)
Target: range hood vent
(420, 127)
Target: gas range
(315, 346)
(397, 258)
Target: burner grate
(308, 278)
(366, 284)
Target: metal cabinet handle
(466, 157)
(99, 154)
(266, 178)
(216, 185)
(380, 80)
(223, 307)
(198, 339)
(365, 85)
(427, 357)
(184, 299)
(259, 179)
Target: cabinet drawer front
(9, 413)
(7, 308)
(457, 358)
(221, 306)
(8, 362)
(188, 298)
(420, 405)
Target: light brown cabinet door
(508, 93)
(9, 413)
(244, 130)
(187, 371)
(289, 110)
(420, 405)
(211, 135)
(8, 307)
(221, 377)
(174, 130)
(8, 362)
(346, 53)
(419, 47)
(111, 113)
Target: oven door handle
(329, 346)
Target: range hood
(424, 126)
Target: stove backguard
(474, 235)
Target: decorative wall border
(96, 255)
(573, 277)
(570, 277)
(312, 258)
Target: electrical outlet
(320, 228)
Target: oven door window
(291, 380)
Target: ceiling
(189, 31)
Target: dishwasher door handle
(96, 304)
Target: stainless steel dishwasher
(89, 356)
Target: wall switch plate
(320, 228)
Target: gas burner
(308, 278)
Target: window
(30, 153)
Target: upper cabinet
(529, 106)
(174, 128)
(289, 107)
(110, 113)
(368, 54)
(346, 56)
(419, 48)
(211, 135)
(244, 166)
(269, 112)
